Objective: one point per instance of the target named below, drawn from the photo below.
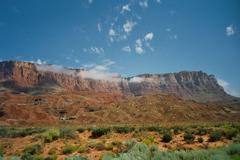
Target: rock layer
(195, 85)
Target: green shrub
(51, 135)
(80, 130)
(200, 139)
(108, 146)
(68, 149)
(236, 139)
(148, 140)
(33, 149)
(82, 149)
(230, 133)
(188, 137)
(123, 129)
(51, 157)
(154, 129)
(67, 133)
(176, 130)
(214, 136)
(76, 157)
(167, 137)
(98, 132)
(13, 132)
(201, 131)
(141, 152)
(107, 156)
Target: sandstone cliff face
(190, 85)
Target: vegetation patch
(98, 132)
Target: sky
(127, 37)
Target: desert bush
(188, 137)
(107, 156)
(82, 149)
(167, 137)
(1, 150)
(98, 132)
(13, 132)
(51, 157)
(68, 149)
(154, 129)
(108, 146)
(201, 131)
(236, 139)
(67, 133)
(33, 149)
(148, 140)
(99, 146)
(129, 143)
(51, 135)
(76, 157)
(200, 139)
(123, 129)
(233, 149)
(214, 136)
(141, 152)
(176, 130)
(81, 130)
(230, 133)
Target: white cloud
(126, 49)
(39, 61)
(90, 71)
(223, 83)
(158, 1)
(148, 36)
(136, 80)
(100, 72)
(97, 50)
(126, 8)
(143, 3)
(227, 88)
(128, 26)
(112, 32)
(230, 30)
(94, 50)
(138, 47)
(99, 27)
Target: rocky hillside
(25, 76)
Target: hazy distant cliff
(191, 85)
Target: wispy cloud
(143, 3)
(94, 50)
(125, 8)
(126, 49)
(226, 86)
(230, 30)
(39, 61)
(144, 42)
(128, 26)
(139, 47)
(99, 27)
(100, 71)
(158, 1)
(148, 36)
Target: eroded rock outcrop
(195, 85)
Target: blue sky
(128, 37)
